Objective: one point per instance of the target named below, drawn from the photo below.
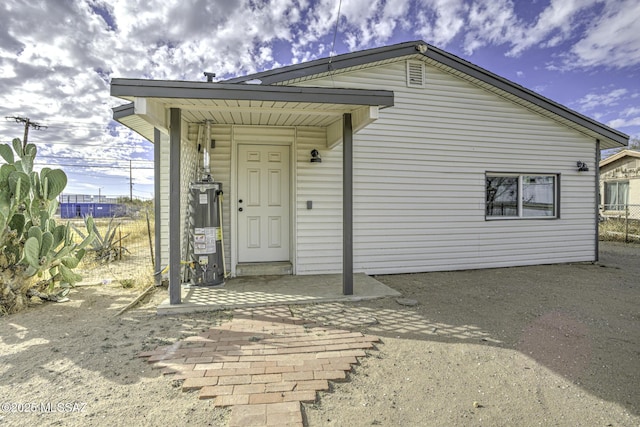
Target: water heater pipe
(224, 263)
(206, 171)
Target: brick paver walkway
(263, 363)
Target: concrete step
(264, 269)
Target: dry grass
(620, 230)
(134, 268)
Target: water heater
(205, 234)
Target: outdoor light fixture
(315, 156)
(582, 166)
(422, 48)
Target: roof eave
(137, 88)
(123, 114)
(335, 63)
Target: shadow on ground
(581, 321)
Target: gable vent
(415, 74)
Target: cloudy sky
(58, 56)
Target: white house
(620, 184)
(428, 163)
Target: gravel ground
(544, 345)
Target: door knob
(240, 209)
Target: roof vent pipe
(209, 76)
(206, 171)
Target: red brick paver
(262, 364)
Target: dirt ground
(544, 345)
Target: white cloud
(599, 32)
(631, 111)
(440, 21)
(592, 100)
(612, 40)
(622, 123)
(553, 25)
(491, 22)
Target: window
(521, 196)
(616, 195)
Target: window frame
(520, 202)
(615, 207)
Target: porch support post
(156, 207)
(347, 205)
(597, 178)
(175, 119)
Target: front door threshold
(283, 268)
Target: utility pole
(27, 124)
(130, 183)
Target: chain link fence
(620, 223)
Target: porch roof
(228, 103)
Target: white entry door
(263, 203)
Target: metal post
(597, 178)
(175, 296)
(156, 205)
(347, 205)
(626, 223)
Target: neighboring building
(81, 205)
(620, 184)
(428, 162)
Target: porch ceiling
(237, 104)
(274, 113)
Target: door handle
(240, 209)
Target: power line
(333, 45)
(93, 166)
(335, 32)
(95, 158)
(27, 124)
(107, 144)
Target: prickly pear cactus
(36, 254)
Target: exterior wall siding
(163, 197)
(319, 230)
(419, 182)
(220, 165)
(188, 173)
